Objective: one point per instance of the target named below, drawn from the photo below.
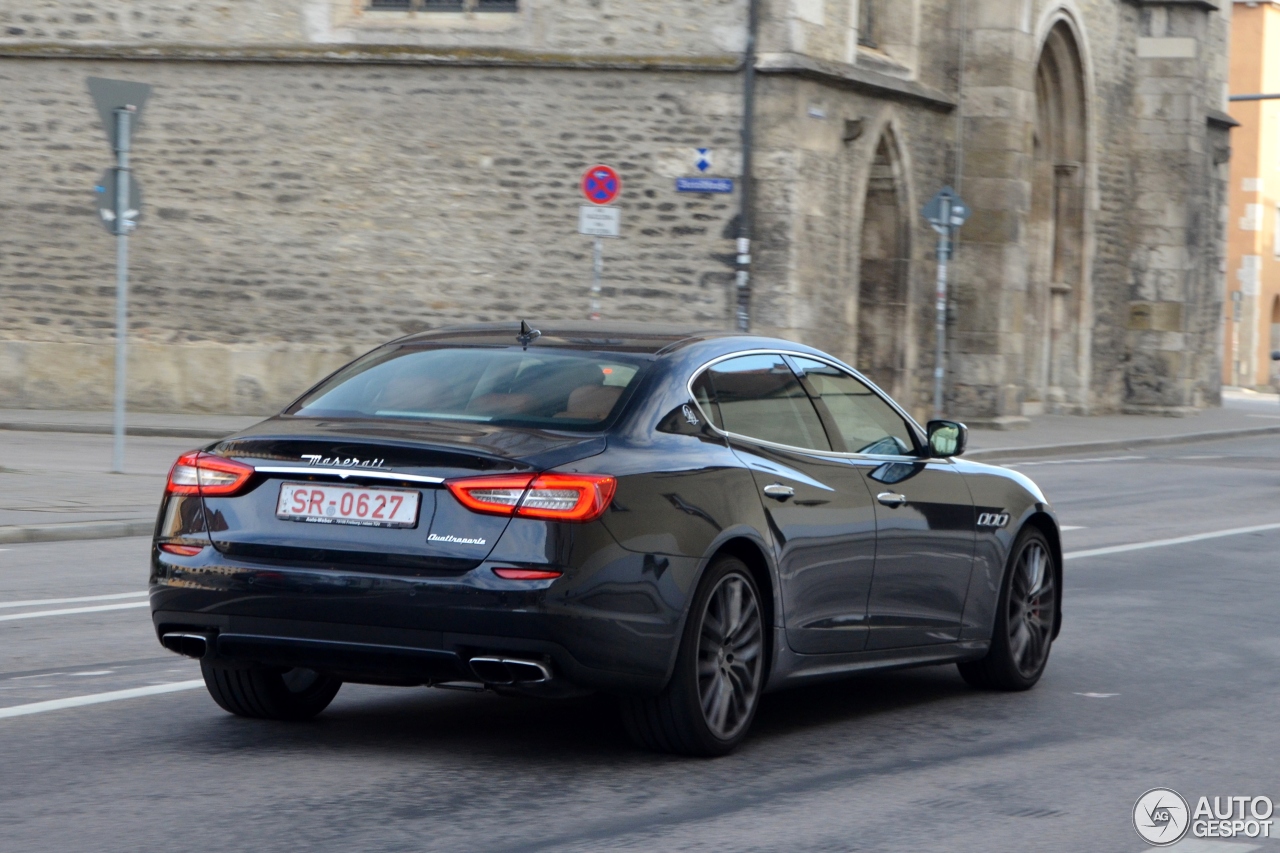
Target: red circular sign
(601, 184)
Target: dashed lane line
(38, 601)
(98, 698)
(1161, 543)
(69, 611)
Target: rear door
(818, 505)
(924, 512)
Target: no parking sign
(601, 184)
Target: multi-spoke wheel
(712, 697)
(1025, 618)
(729, 659)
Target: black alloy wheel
(269, 693)
(1025, 620)
(707, 707)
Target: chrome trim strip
(911, 422)
(344, 473)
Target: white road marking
(1264, 416)
(37, 601)
(1097, 695)
(73, 610)
(93, 672)
(1161, 543)
(98, 698)
(1067, 527)
(1075, 461)
(1200, 457)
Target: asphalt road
(1165, 675)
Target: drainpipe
(748, 121)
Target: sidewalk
(55, 485)
(1243, 413)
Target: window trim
(916, 431)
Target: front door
(818, 504)
(925, 523)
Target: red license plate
(357, 505)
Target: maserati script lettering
(316, 459)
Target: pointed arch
(882, 316)
(1060, 224)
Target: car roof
(641, 338)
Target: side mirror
(947, 439)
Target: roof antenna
(527, 334)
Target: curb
(1042, 450)
(22, 534)
(94, 429)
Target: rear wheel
(711, 699)
(269, 693)
(1025, 618)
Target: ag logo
(993, 519)
(1161, 817)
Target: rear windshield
(514, 387)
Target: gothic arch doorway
(883, 273)
(1057, 227)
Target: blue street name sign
(704, 185)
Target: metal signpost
(601, 185)
(120, 105)
(945, 212)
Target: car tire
(1025, 621)
(707, 707)
(269, 693)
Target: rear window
(513, 387)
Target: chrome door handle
(777, 491)
(891, 499)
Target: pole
(743, 276)
(597, 274)
(939, 364)
(122, 284)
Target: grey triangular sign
(111, 95)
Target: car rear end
(429, 515)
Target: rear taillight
(555, 497)
(208, 475)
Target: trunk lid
(446, 539)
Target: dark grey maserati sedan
(682, 520)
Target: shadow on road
(440, 723)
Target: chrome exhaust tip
(190, 645)
(495, 670)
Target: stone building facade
(322, 175)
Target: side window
(866, 423)
(758, 396)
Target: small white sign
(599, 221)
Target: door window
(758, 396)
(863, 420)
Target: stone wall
(330, 207)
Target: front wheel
(1025, 619)
(711, 699)
(269, 693)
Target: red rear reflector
(526, 574)
(182, 550)
(208, 475)
(555, 497)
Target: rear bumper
(395, 630)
